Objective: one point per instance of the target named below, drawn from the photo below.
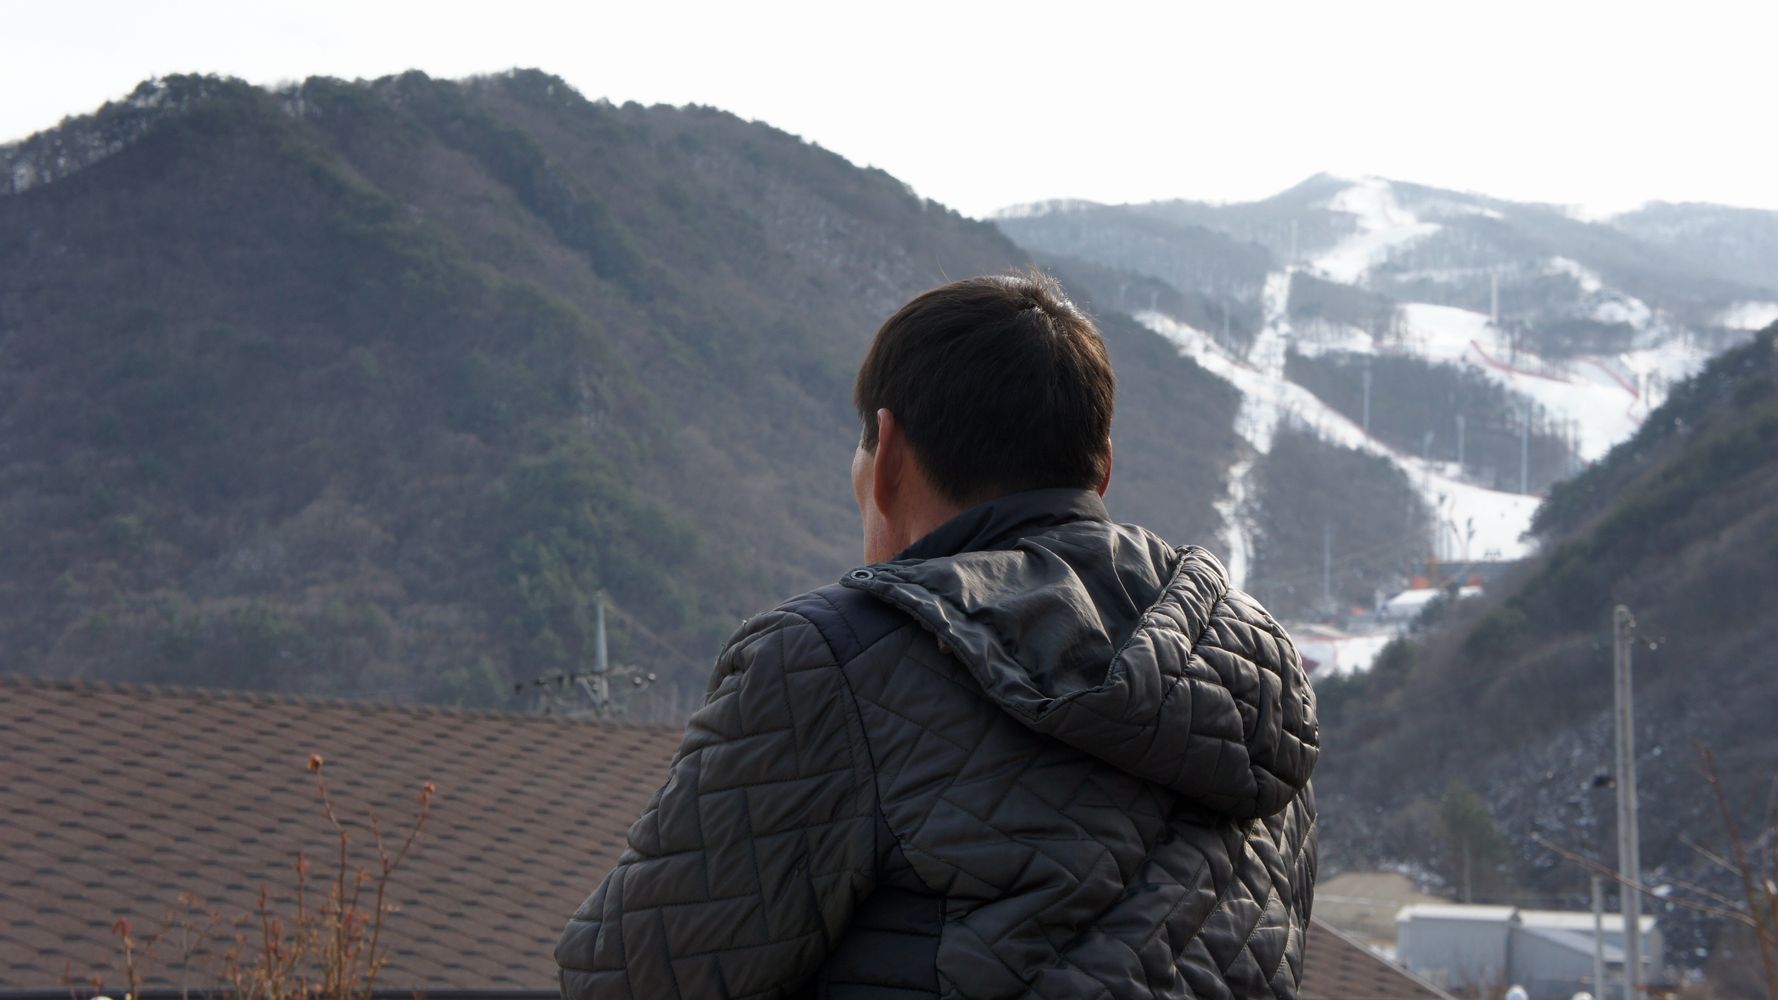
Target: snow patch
(1613, 306)
(1655, 370)
(1317, 337)
(1445, 208)
(1624, 309)
(1748, 316)
(1584, 276)
(1446, 333)
(1237, 534)
(1333, 652)
(1471, 522)
(1602, 400)
(1383, 225)
(1599, 214)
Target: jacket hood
(1104, 637)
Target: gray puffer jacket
(1038, 754)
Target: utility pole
(1367, 395)
(1327, 565)
(1629, 849)
(601, 664)
(594, 683)
(1459, 444)
(1599, 937)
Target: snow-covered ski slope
(1382, 225)
(1482, 523)
(1602, 399)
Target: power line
(695, 663)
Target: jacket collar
(1001, 522)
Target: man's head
(973, 390)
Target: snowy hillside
(1604, 395)
(1570, 318)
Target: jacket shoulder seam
(864, 765)
(907, 849)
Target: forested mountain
(1740, 244)
(1511, 694)
(369, 388)
(1184, 254)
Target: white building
(1548, 952)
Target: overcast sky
(980, 105)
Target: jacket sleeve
(742, 874)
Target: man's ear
(1105, 484)
(890, 464)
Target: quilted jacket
(1038, 754)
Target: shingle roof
(1337, 967)
(117, 800)
(114, 801)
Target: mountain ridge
(375, 388)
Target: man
(1024, 752)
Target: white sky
(985, 104)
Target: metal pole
(601, 664)
(1628, 848)
(1598, 937)
(1459, 444)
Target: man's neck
(924, 519)
(1002, 521)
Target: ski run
(1601, 400)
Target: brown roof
(1338, 967)
(116, 801)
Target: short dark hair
(1000, 383)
